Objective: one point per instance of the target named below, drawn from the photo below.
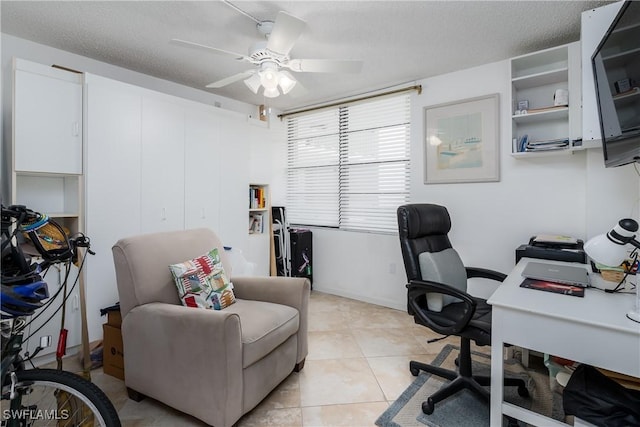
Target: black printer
(558, 248)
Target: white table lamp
(611, 249)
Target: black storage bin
(301, 253)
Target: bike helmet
(23, 300)
(48, 237)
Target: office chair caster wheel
(414, 372)
(457, 362)
(428, 406)
(522, 391)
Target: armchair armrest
(291, 291)
(484, 273)
(164, 342)
(419, 288)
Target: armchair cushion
(264, 326)
(444, 267)
(202, 282)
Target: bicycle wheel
(48, 397)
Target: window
(348, 166)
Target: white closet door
(112, 185)
(162, 197)
(234, 169)
(47, 119)
(203, 157)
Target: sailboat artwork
(460, 140)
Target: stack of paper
(550, 144)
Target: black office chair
(437, 297)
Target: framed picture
(462, 141)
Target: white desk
(592, 330)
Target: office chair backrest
(427, 251)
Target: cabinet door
(234, 171)
(162, 165)
(47, 119)
(202, 190)
(112, 185)
(41, 326)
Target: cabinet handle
(164, 214)
(203, 216)
(75, 129)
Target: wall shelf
(535, 79)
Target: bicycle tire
(44, 400)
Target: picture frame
(462, 141)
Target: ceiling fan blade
(207, 48)
(231, 79)
(286, 31)
(325, 65)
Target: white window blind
(349, 165)
(313, 169)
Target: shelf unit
(259, 209)
(47, 172)
(47, 168)
(535, 78)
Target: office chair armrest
(418, 288)
(484, 273)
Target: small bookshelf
(259, 209)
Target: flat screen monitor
(616, 70)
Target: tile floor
(357, 365)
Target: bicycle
(33, 396)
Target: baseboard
(402, 306)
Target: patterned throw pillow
(202, 282)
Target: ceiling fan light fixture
(271, 92)
(286, 82)
(269, 75)
(253, 83)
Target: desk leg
(497, 373)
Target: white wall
(569, 194)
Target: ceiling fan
(272, 60)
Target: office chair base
(461, 379)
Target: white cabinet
(47, 124)
(46, 173)
(46, 176)
(234, 139)
(162, 165)
(537, 79)
(203, 182)
(113, 126)
(40, 324)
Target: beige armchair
(213, 365)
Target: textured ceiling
(398, 41)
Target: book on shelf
(257, 198)
(256, 224)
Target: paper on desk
(555, 238)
